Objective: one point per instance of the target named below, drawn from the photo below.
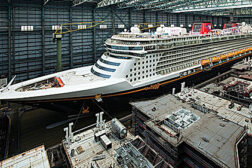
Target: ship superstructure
(137, 61)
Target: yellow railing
(72, 27)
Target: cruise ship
(137, 61)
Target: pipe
(66, 136)
(70, 132)
(97, 119)
(59, 55)
(101, 116)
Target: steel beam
(79, 2)
(130, 18)
(46, 1)
(94, 37)
(70, 39)
(9, 40)
(43, 38)
(113, 20)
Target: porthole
(138, 73)
(138, 63)
(134, 64)
(138, 68)
(126, 76)
(134, 68)
(134, 79)
(146, 76)
(130, 70)
(138, 78)
(130, 80)
(135, 74)
(130, 75)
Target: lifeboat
(246, 49)
(223, 57)
(205, 62)
(237, 52)
(215, 59)
(250, 48)
(243, 51)
(230, 55)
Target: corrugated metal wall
(32, 54)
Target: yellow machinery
(68, 28)
(146, 26)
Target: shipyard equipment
(69, 28)
(118, 128)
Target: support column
(9, 42)
(59, 54)
(13, 59)
(94, 36)
(178, 21)
(43, 38)
(218, 22)
(144, 16)
(113, 20)
(130, 18)
(194, 18)
(168, 19)
(70, 38)
(186, 21)
(157, 20)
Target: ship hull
(140, 92)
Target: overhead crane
(69, 28)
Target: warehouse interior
(32, 53)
